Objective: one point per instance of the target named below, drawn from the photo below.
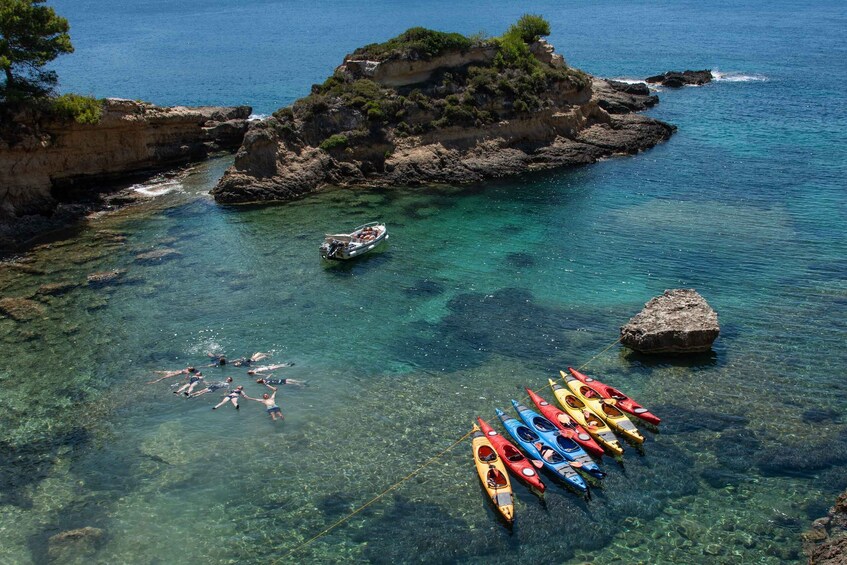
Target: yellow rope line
(396, 485)
(608, 347)
(377, 497)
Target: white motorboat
(340, 247)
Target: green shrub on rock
(334, 142)
(81, 109)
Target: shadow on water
(410, 532)
(660, 360)
(28, 464)
(507, 322)
(359, 265)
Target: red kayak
(622, 401)
(514, 460)
(566, 425)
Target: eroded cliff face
(452, 119)
(44, 164)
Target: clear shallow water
(480, 289)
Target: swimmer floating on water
(232, 396)
(188, 388)
(221, 360)
(266, 368)
(280, 381)
(269, 400)
(170, 374)
(212, 387)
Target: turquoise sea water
(480, 290)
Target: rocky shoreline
(826, 542)
(436, 120)
(54, 172)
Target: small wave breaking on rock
(720, 76)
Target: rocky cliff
(459, 115)
(826, 542)
(46, 163)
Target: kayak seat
(486, 454)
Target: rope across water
(397, 485)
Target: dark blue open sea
(480, 290)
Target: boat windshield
(526, 434)
(611, 410)
(512, 454)
(566, 443)
(486, 454)
(574, 402)
(543, 424)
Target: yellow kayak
(592, 423)
(493, 475)
(616, 419)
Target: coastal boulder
(678, 321)
(677, 79)
(826, 542)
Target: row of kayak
(557, 440)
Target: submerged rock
(679, 321)
(69, 545)
(55, 289)
(677, 79)
(102, 278)
(20, 309)
(826, 542)
(157, 255)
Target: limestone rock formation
(456, 116)
(677, 79)
(826, 542)
(54, 171)
(679, 321)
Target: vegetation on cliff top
(415, 43)
(32, 35)
(511, 82)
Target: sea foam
(157, 187)
(737, 77)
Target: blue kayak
(536, 448)
(567, 447)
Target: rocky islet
(397, 116)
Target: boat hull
(336, 250)
(513, 459)
(562, 469)
(567, 425)
(569, 449)
(599, 431)
(492, 474)
(613, 417)
(621, 400)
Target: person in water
(188, 388)
(266, 368)
(170, 374)
(269, 400)
(212, 387)
(221, 360)
(232, 396)
(266, 381)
